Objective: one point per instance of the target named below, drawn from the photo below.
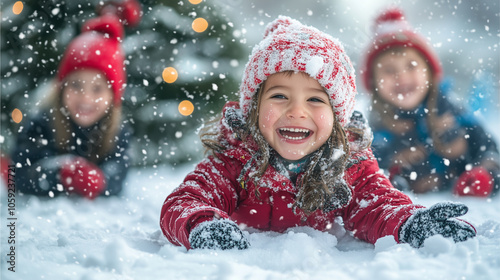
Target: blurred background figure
(34, 40)
(78, 143)
(422, 136)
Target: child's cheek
(269, 114)
(327, 119)
(66, 99)
(266, 118)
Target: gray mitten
(438, 219)
(218, 234)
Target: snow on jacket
(376, 210)
(38, 160)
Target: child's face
(402, 77)
(295, 115)
(86, 96)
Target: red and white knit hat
(99, 45)
(392, 30)
(288, 45)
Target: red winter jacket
(377, 209)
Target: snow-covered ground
(120, 238)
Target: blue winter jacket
(387, 144)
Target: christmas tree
(179, 51)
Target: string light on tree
(18, 7)
(17, 115)
(186, 108)
(199, 25)
(170, 75)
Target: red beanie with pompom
(99, 45)
(392, 30)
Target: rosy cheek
(269, 115)
(270, 112)
(263, 121)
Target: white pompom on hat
(288, 45)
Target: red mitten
(475, 182)
(83, 177)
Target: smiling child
(292, 152)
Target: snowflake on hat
(289, 45)
(99, 44)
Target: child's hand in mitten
(82, 177)
(475, 182)
(218, 234)
(439, 219)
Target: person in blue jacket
(422, 137)
(78, 144)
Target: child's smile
(295, 115)
(294, 134)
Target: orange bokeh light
(186, 108)
(195, 2)
(199, 25)
(17, 115)
(170, 75)
(18, 7)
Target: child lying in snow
(293, 153)
(79, 144)
(421, 136)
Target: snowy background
(120, 238)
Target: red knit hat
(290, 45)
(99, 45)
(392, 30)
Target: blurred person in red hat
(78, 143)
(293, 152)
(423, 138)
